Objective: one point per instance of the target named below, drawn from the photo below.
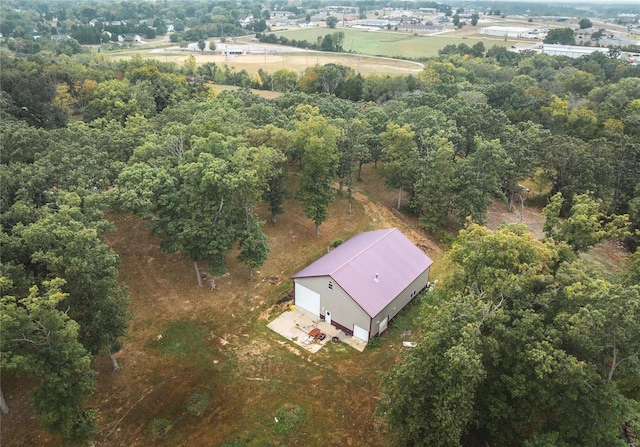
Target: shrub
(160, 427)
(198, 402)
(373, 343)
(287, 418)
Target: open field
(292, 59)
(368, 52)
(395, 44)
(361, 47)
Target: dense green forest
(518, 325)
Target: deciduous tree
(41, 341)
(518, 349)
(479, 178)
(401, 157)
(353, 149)
(435, 188)
(562, 36)
(315, 138)
(586, 224)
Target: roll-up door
(307, 299)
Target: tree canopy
(518, 348)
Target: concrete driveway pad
(295, 325)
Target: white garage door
(308, 299)
(360, 333)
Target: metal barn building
(362, 284)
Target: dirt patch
(500, 213)
(271, 58)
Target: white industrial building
(514, 32)
(571, 51)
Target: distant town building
(281, 14)
(376, 23)
(571, 51)
(342, 9)
(130, 37)
(627, 18)
(514, 32)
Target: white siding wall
(392, 309)
(343, 309)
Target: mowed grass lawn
(391, 43)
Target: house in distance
(363, 283)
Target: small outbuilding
(362, 284)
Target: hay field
(290, 58)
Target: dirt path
(390, 217)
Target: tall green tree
(64, 240)
(254, 246)
(276, 189)
(571, 165)
(585, 23)
(353, 148)
(205, 200)
(316, 139)
(562, 36)
(479, 178)
(117, 100)
(316, 192)
(40, 341)
(276, 186)
(254, 173)
(435, 189)
(284, 81)
(401, 157)
(206, 219)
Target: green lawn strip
(188, 342)
(390, 44)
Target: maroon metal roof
(372, 267)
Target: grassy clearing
(200, 367)
(187, 341)
(297, 61)
(392, 43)
(367, 52)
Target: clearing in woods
(200, 367)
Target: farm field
(290, 58)
(394, 44)
(367, 52)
